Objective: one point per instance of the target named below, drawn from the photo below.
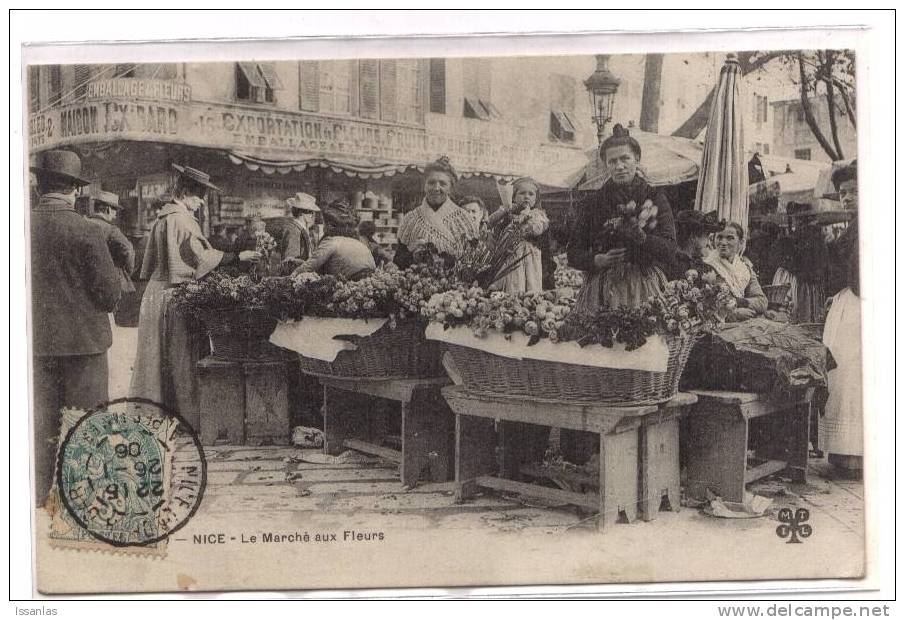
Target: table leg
(717, 446)
(475, 453)
(618, 477)
(659, 467)
(342, 419)
(799, 437)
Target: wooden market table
(427, 423)
(639, 450)
(720, 434)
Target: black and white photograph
(301, 321)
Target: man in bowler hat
(106, 204)
(74, 284)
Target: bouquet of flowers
(537, 314)
(487, 260)
(633, 223)
(220, 291)
(565, 276)
(686, 306)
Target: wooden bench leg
(799, 437)
(659, 467)
(341, 419)
(618, 477)
(475, 453)
(717, 447)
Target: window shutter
(82, 77)
(388, 94)
(34, 88)
(438, 85)
(470, 72)
(369, 89)
(309, 85)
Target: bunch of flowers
(387, 293)
(688, 305)
(697, 301)
(489, 259)
(264, 243)
(565, 276)
(220, 291)
(537, 315)
(632, 224)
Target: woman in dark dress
(693, 232)
(625, 260)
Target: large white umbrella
(723, 180)
(665, 160)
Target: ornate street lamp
(602, 87)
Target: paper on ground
(652, 357)
(314, 337)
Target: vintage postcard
(354, 321)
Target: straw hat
(107, 198)
(304, 202)
(198, 176)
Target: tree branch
(831, 100)
(809, 113)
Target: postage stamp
(129, 474)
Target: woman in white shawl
(177, 252)
(738, 273)
(437, 221)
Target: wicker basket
(241, 334)
(400, 353)
(490, 373)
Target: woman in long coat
(625, 262)
(177, 252)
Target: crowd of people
(625, 237)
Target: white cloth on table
(314, 336)
(841, 428)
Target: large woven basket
(240, 334)
(494, 374)
(400, 353)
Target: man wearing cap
(437, 221)
(292, 234)
(106, 204)
(74, 284)
(176, 252)
(340, 252)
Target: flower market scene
(401, 295)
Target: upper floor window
(802, 153)
(561, 126)
(335, 86)
(477, 87)
(410, 91)
(438, 85)
(256, 82)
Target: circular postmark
(131, 472)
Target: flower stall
(535, 343)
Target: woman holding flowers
(623, 237)
(177, 252)
(534, 271)
(738, 274)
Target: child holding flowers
(535, 271)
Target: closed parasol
(723, 180)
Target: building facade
(793, 136)
(356, 129)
